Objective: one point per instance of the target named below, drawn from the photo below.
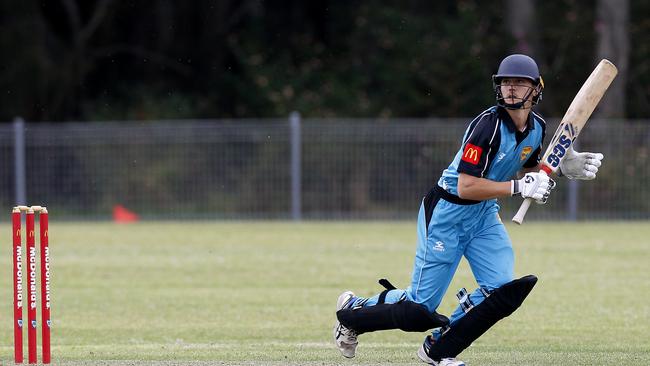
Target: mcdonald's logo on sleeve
(472, 154)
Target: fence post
(19, 162)
(572, 197)
(572, 201)
(295, 141)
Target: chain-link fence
(342, 169)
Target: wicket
(30, 212)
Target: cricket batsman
(499, 157)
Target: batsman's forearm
(479, 189)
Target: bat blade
(573, 122)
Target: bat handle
(519, 216)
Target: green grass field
(264, 293)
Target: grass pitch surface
(254, 293)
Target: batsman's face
(514, 90)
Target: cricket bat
(574, 120)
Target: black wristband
(515, 188)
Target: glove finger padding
(549, 187)
(595, 160)
(542, 192)
(589, 172)
(582, 165)
(551, 184)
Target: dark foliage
(107, 59)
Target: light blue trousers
(473, 231)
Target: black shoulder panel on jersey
(481, 144)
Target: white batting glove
(537, 186)
(577, 165)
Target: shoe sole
(342, 350)
(424, 357)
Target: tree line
(113, 60)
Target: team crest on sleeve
(472, 154)
(526, 152)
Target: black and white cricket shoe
(423, 354)
(344, 337)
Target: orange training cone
(122, 215)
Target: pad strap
(388, 286)
(463, 299)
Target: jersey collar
(504, 116)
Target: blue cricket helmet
(518, 66)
